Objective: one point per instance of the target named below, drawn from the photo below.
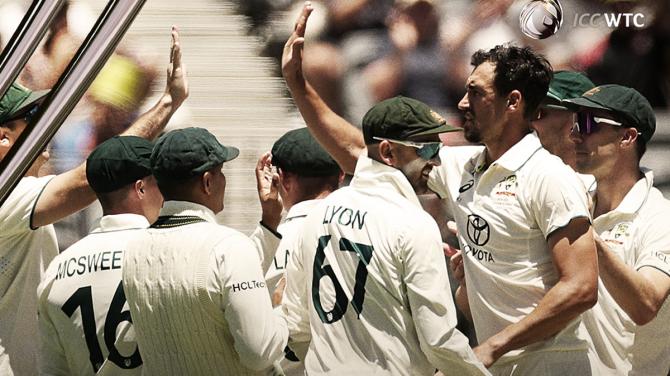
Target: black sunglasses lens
(429, 151)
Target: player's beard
(470, 131)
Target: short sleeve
(654, 250)
(16, 211)
(556, 197)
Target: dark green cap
(298, 152)
(17, 101)
(404, 119)
(565, 85)
(184, 153)
(117, 162)
(624, 103)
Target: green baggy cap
(184, 153)
(298, 152)
(17, 101)
(565, 85)
(117, 162)
(404, 119)
(624, 103)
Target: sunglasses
(587, 123)
(425, 150)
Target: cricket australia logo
(619, 234)
(507, 186)
(478, 230)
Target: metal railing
(100, 43)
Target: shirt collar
(187, 208)
(512, 159)
(301, 209)
(118, 222)
(637, 195)
(520, 153)
(372, 174)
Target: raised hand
(267, 184)
(177, 82)
(291, 61)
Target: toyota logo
(478, 230)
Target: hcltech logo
(540, 19)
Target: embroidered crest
(591, 92)
(507, 186)
(438, 118)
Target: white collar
(637, 195)
(119, 222)
(372, 174)
(512, 159)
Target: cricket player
(555, 120)
(305, 175)
(629, 325)
(84, 321)
(27, 239)
(195, 289)
(367, 282)
(522, 217)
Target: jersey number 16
(83, 299)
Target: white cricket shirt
(367, 282)
(83, 314)
(293, 364)
(637, 232)
(24, 254)
(198, 298)
(504, 215)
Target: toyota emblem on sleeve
(478, 230)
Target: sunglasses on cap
(587, 123)
(425, 150)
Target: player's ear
(139, 188)
(206, 182)
(514, 100)
(386, 152)
(629, 137)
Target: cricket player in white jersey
(195, 289)
(367, 282)
(27, 239)
(630, 324)
(528, 295)
(84, 321)
(305, 175)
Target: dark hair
(518, 68)
(181, 189)
(311, 186)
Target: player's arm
(259, 332)
(429, 296)
(69, 192)
(574, 257)
(341, 139)
(640, 290)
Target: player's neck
(613, 188)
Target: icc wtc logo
(540, 19)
